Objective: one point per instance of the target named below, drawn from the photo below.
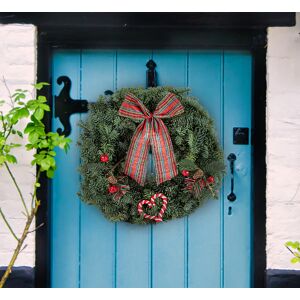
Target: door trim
(251, 39)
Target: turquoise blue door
(210, 248)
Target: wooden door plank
(133, 260)
(65, 205)
(169, 239)
(97, 233)
(237, 226)
(205, 79)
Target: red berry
(113, 189)
(210, 179)
(104, 158)
(202, 183)
(185, 173)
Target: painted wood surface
(209, 248)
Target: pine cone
(198, 174)
(112, 179)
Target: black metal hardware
(65, 106)
(151, 74)
(241, 136)
(231, 157)
(108, 93)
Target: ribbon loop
(151, 132)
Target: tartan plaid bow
(151, 132)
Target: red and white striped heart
(151, 203)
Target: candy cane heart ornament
(151, 203)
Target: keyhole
(229, 211)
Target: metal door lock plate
(241, 136)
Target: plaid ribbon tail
(151, 132)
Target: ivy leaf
(20, 134)
(40, 130)
(29, 127)
(36, 121)
(2, 159)
(33, 137)
(39, 113)
(40, 85)
(19, 96)
(294, 260)
(45, 107)
(50, 173)
(32, 104)
(14, 145)
(29, 147)
(65, 144)
(67, 147)
(44, 144)
(11, 159)
(51, 160)
(19, 114)
(291, 244)
(45, 164)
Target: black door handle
(232, 158)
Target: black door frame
(240, 31)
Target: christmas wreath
(149, 155)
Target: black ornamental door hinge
(65, 106)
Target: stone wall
(283, 143)
(18, 69)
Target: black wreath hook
(65, 106)
(151, 74)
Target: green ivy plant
(294, 248)
(41, 142)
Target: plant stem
(290, 250)
(26, 230)
(19, 246)
(17, 187)
(8, 132)
(3, 123)
(114, 166)
(7, 224)
(36, 228)
(37, 178)
(8, 90)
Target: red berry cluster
(210, 179)
(113, 189)
(104, 158)
(185, 173)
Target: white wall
(18, 67)
(283, 143)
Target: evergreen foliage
(105, 132)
